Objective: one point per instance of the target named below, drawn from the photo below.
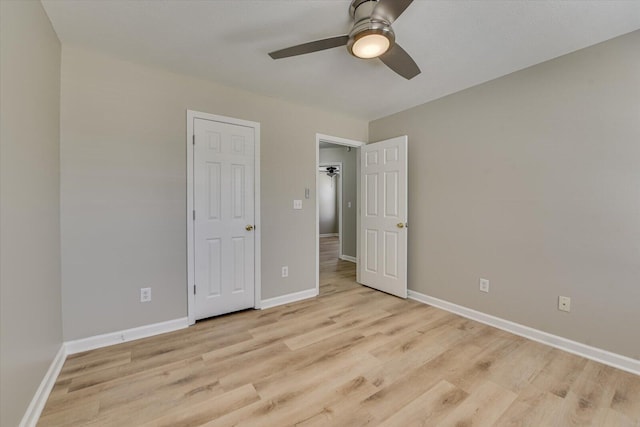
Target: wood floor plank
(429, 408)
(336, 407)
(534, 408)
(483, 407)
(413, 383)
(406, 357)
(304, 403)
(357, 318)
(80, 415)
(609, 417)
(593, 389)
(94, 362)
(560, 373)
(193, 415)
(522, 365)
(316, 364)
(350, 357)
(481, 367)
(626, 397)
(86, 396)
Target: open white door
(383, 216)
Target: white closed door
(383, 216)
(224, 168)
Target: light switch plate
(145, 294)
(484, 285)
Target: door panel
(372, 195)
(391, 194)
(237, 190)
(383, 218)
(214, 190)
(215, 264)
(391, 254)
(237, 262)
(371, 251)
(224, 166)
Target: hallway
(336, 275)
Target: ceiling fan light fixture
(370, 44)
(371, 36)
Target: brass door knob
(400, 225)
(249, 227)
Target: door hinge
(193, 139)
(194, 215)
(194, 289)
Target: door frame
(191, 116)
(347, 143)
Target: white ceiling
(457, 44)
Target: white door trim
(347, 143)
(191, 116)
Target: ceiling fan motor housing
(365, 23)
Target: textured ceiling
(457, 44)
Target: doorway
(381, 212)
(337, 192)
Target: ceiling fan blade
(391, 9)
(399, 61)
(310, 47)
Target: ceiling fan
(370, 37)
(331, 171)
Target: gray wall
(30, 318)
(123, 188)
(349, 176)
(533, 182)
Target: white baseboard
(288, 298)
(330, 235)
(31, 416)
(599, 355)
(126, 335)
(349, 258)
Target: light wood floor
(351, 357)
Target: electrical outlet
(484, 285)
(285, 271)
(564, 303)
(145, 294)
(297, 204)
